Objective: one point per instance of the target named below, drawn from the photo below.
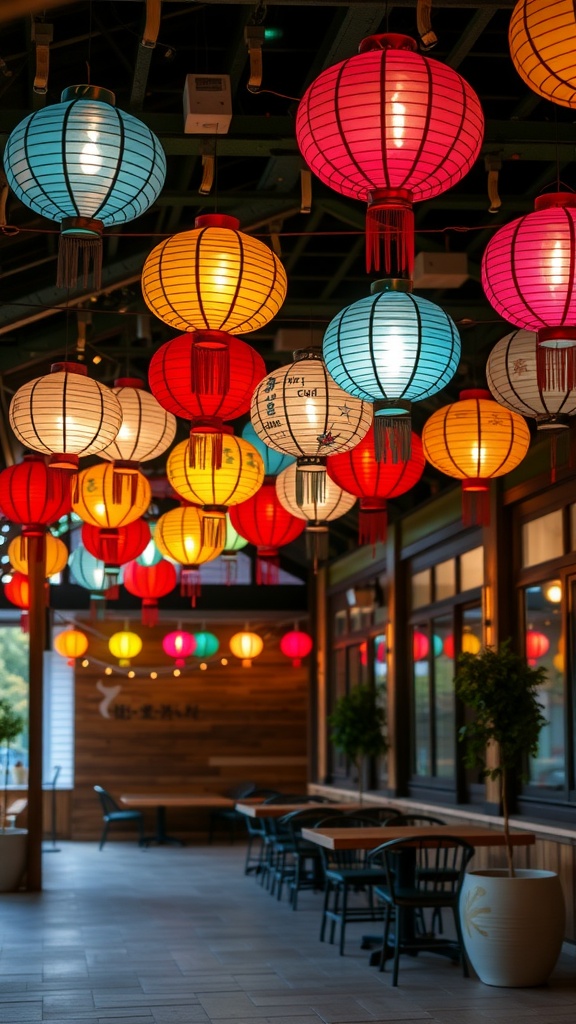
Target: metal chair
(256, 835)
(422, 819)
(229, 815)
(424, 872)
(307, 866)
(379, 815)
(112, 812)
(274, 835)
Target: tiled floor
(181, 936)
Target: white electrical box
(440, 269)
(207, 104)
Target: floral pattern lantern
(147, 431)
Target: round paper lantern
(180, 536)
(65, 414)
(511, 374)
(542, 38)
(266, 524)
(529, 277)
(335, 503)
(71, 644)
(233, 543)
(124, 646)
(420, 646)
(17, 591)
(147, 431)
(389, 126)
(90, 573)
(96, 505)
(179, 645)
(86, 165)
(214, 277)
(207, 644)
(206, 377)
(246, 646)
(358, 473)
(469, 644)
(215, 490)
(299, 410)
(296, 645)
(150, 555)
(475, 440)
(116, 547)
(150, 582)
(537, 645)
(274, 461)
(34, 495)
(392, 348)
(56, 555)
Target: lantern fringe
(476, 508)
(393, 438)
(79, 259)
(231, 563)
(556, 368)
(119, 478)
(149, 615)
(317, 545)
(97, 608)
(205, 450)
(267, 570)
(190, 584)
(372, 526)
(24, 622)
(213, 530)
(109, 540)
(111, 574)
(210, 369)
(310, 487)
(390, 236)
(58, 477)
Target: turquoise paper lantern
(274, 462)
(206, 644)
(392, 348)
(90, 573)
(86, 165)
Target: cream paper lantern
(147, 429)
(335, 502)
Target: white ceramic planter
(512, 927)
(13, 848)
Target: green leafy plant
(11, 725)
(501, 690)
(358, 725)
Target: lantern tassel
(556, 368)
(210, 368)
(109, 539)
(231, 563)
(267, 570)
(190, 584)
(149, 612)
(119, 478)
(316, 544)
(390, 233)
(392, 438)
(79, 259)
(310, 487)
(205, 450)
(372, 526)
(24, 622)
(213, 529)
(475, 505)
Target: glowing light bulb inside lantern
(311, 411)
(149, 554)
(98, 578)
(221, 275)
(90, 157)
(125, 433)
(100, 508)
(556, 268)
(478, 455)
(190, 547)
(398, 121)
(178, 644)
(391, 355)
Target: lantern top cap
(313, 352)
(69, 368)
(555, 199)
(129, 382)
(388, 41)
(217, 220)
(391, 284)
(89, 92)
(470, 393)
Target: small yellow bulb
(176, 672)
(153, 675)
(203, 666)
(223, 661)
(108, 671)
(131, 674)
(85, 663)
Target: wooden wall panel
(202, 732)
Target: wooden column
(317, 748)
(398, 660)
(37, 627)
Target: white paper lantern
(335, 503)
(147, 431)
(512, 378)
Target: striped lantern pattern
(17, 591)
(392, 348)
(55, 553)
(147, 429)
(117, 546)
(246, 646)
(181, 537)
(65, 414)
(512, 379)
(542, 39)
(475, 440)
(33, 494)
(335, 503)
(274, 461)
(71, 644)
(150, 583)
(299, 410)
(389, 126)
(214, 277)
(96, 504)
(266, 524)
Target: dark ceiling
(258, 172)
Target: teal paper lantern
(392, 348)
(86, 165)
(274, 462)
(90, 573)
(206, 644)
(151, 555)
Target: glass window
(422, 739)
(542, 539)
(380, 678)
(422, 588)
(445, 576)
(443, 711)
(545, 648)
(14, 688)
(472, 569)
(341, 623)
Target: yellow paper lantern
(475, 440)
(246, 646)
(542, 38)
(470, 643)
(95, 502)
(180, 536)
(214, 277)
(71, 644)
(215, 490)
(56, 555)
(124, 646)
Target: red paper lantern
(390, 126)
(529, 277)
(179, 645)
(264, 522)
(150, 582)
(537, 646)
(358, 473)
(420, 646)
(206, 377)
(116, 546)
(17, 591)
(296, 645)
(34, 495)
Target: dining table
(368, 838)
(161, 801)
(266, 810)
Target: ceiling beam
(471, 34)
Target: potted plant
(358, 724)
(12, 840)
(503, 910)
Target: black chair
(307, 871)
(347, 872)
(256, 835)
(112, 812)
(421, 819)
(424, 872)
(229, 816)
(379, 815)
(274, 835)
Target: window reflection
(544, 647)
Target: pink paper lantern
(296, 645)
(179, 645)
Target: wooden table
(265, 810)
(163, 800)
